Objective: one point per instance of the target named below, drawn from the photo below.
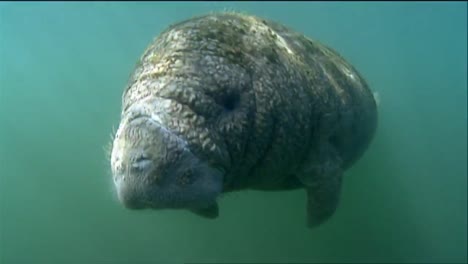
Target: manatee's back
(346, 106)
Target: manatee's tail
(376, 98)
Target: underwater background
(63, 67)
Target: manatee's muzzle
(154, 168)
(201, 193)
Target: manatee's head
(154, 168)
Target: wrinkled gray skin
(227, 102)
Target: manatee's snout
(129, 179)
(154, 168)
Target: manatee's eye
(186, 177)
(230, 101)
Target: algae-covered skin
(226, 102)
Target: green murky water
(62, 70)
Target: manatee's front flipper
(210, 212)
(322, 180)
(323, 197)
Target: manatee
(227, 102)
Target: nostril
(142, 157)
(141, 163)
